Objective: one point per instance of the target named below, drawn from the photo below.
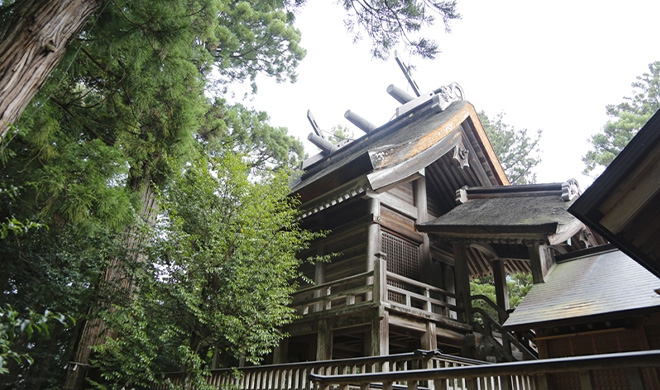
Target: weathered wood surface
(32, 42)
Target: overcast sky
(552, 66)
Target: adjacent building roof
(604, 285)
(535, 211)
(622, 205)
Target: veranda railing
(375, 287)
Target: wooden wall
(617, 335)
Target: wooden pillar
(373, 234)
(462, 285)
(380, 278)
(502, 298)
(450, 285)
(501, 289)
(421, 203)
(323, 341)
(429, 338)
(319, 278)
(373, 243)
(380, 332)
(541, 262)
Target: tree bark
(33, 40)
(94, 330)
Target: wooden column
(429, 338)
(380, 278)
(380, 332)
(323, 341)
(319, 278)
(462, 276)
(449, 285)
(373, 234)
(502, 298)
(426, 269)
(540, 262)
(501, 289)
(373, 241)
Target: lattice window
(402, 258)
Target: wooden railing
(431, 299)
(487, 325)
(298, 376)
(373, 288)
(531, 374)
(351, 291)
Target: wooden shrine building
(399, 275)
(416, 208)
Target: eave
(622, 205)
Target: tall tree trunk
(33, 40)
(93, 332)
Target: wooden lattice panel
(611, 379)
(564, 381)
(402, 258)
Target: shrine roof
(401, 148)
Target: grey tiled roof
(603, 283)
(538, 214)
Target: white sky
(552, 66)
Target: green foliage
(12, 225)
(340, 134)
(219, 278)
(238, 130)
(126, 110)
(517, 150)
(122, 117)
(387, 23)
(58, 269)
(14, 326)
(627, 119)
(518, 285)
(251, 37)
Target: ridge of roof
(424, 111)
(567, 191)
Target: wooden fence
(530, 374)
(298, 376)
